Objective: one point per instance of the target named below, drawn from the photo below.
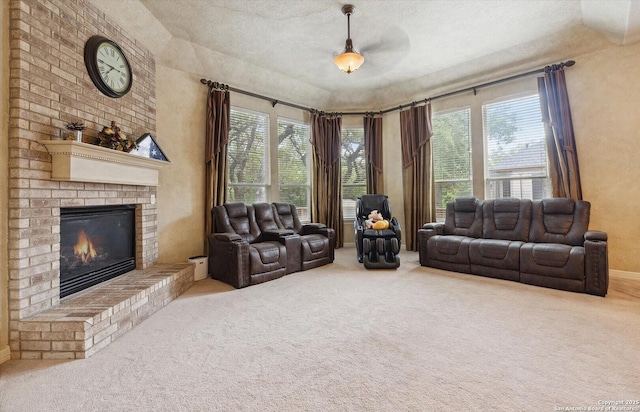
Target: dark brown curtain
(326, 197)
(419, 201)
(373, 153)
(217, 137)
(561, 145)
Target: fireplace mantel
(82, 162)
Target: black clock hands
(110, 66)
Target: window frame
(304, 213)
(351, 216)
(265, 185)
(515, 182)
(440, 212)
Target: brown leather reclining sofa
(261, 242)
(542, 242)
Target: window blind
(354, 169)
(516, 159)
(293, 165)
(451, 157)
(247, 156)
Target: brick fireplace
(50, 87)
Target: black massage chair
(377, 249)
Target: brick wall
(49, 87)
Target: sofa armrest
(437, 226)
(277, 234)
(595, 235)
(313, 226)
(596, 264)
(427, 232)
(226, 237)
(229, 259)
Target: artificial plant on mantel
(113, 138)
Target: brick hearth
(88, 321)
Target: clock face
(113, 69)
(108, 66)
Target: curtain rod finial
(203, 81)
(570, 63)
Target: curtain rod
(223, 86)
(473, 89)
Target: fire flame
(84, 249)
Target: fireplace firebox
(96, 244)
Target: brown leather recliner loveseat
(251, 245)
(542, 242)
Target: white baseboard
(5, 354)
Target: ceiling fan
(383, 51)
(349, 60)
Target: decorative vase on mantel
(74, 131)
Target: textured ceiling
(406, 44)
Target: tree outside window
(247, 156)
(293, 165)
(516, 161)
(354, 169)
(451, 157)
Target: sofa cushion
(238, 218)
(559, 220)
(552, 259)
(452, 248)
(495, 258)
(287, 216)
(507, 218)
(490, 248)
(464, 217)
(265, 218)
(267, 257)
(315, 247)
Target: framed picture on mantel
(147, 147)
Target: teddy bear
(376, 221)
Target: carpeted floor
(343, 338)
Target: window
(247, 156)
(354, 170)
(451, 157)
(516, 160)
(293, 165)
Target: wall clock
(108, 66)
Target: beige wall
(604, 88)
(181, 127)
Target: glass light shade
(349, 61)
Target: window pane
(451, 157)
(293, 165)
(516, 162)
(354, 170)
(247, 156)
(246, 193)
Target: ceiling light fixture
(350, 60)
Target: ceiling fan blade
(386, 50)
(392, 39)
